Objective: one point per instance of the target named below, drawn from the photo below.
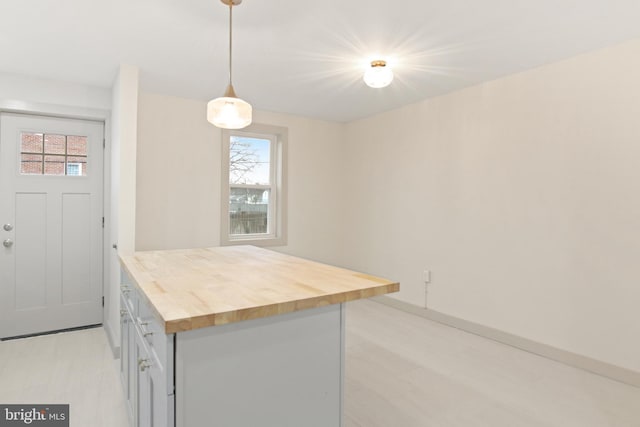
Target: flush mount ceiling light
(229, 111)
(378, 75)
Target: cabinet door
(162, 406)
(132, 366)
(127, 329)
(125, 320)
(143, 390)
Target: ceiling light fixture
(378, 74)
(229, 111)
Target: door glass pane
(52, 154)
(249, 160)
(77, 145)
(31, 164)
(76, 166)
(54, 144)
(248, 211)
(31, 143)
(54, 165)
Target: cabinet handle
(142, 364)
(145, 333)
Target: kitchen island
(235, 336)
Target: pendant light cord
(230, 37)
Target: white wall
(522, 195)
(122, 212)
(178, 181)
(29, 90)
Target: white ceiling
(304, 57)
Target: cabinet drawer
(129, 294)
(153, 333)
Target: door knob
(7, 243)
(8, 227)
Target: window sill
(264, 241)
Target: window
(253, 186)
(49, 154)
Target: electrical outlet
(426, 276)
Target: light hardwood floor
(72, 367)
(402, 371)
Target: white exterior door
(51, 173)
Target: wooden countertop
(196, 288)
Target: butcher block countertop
(195, 288)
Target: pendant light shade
(229, 111)
(378, 75)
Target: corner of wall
(124, 122)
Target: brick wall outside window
(49, 154)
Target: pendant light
(378, 74)
(229, 111)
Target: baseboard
(604, 369)
(115, 349)
(55, 331)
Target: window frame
(277, 213)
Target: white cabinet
(125, 356)
(155, 404)
(146, 362)
(277, 371)
(280, 371)
(143, 391)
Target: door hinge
(102, 222)
(103, 301)
(104, 142)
